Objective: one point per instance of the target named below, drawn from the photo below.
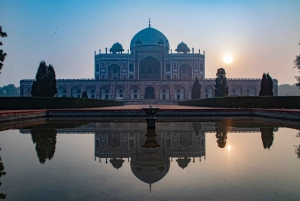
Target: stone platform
(136, 110)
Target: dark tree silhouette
(84, 95)
(45, 141)
(2, 173)
(52, 86)
(297, 151)
(9, 90)
(2, 54)
(45, 82)
(221, 88)
(266, 85)
(221, 134)
(196, 90)
(297, 65)
(267, 137)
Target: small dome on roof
(117, 47)
(182, 47)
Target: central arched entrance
(149, 68)
(149, 92)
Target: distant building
(148, 72)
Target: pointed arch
(164, 92)
(149, 68)
(76, 91)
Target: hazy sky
(262, 36)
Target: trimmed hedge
(19, 103)
(289, 102)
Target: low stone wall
(11, 115)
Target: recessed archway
(149, 92)
(149, 68)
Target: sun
(227, 59)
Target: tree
(45, 82)
(84, 95)
(221, 134)
(267, 137)
(196, 90)
(297, 65)
(2, 54)
(52, 86)
(9, 90)
(266, 85)
(221, 88)
(45, 142)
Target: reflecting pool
(207, 158)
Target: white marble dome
(149, 36)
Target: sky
(261, 36)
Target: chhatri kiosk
(150, 72)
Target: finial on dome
(149, 23)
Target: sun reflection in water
(228, 147)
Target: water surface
(211, 158)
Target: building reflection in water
(150, 152)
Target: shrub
(290, 102)
(16, 103)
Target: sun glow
(228, 147)
(227, 59)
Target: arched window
(201, 68)
(131, 68)
(97, 67)
(168, 68)
(130, 77)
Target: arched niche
(208, 92)
(105, 92)
(149, 92)
(91, 92)
(135, 92)
(149, 68)
(76, 92)
(164, 93)
(178, 93)
(120, 92)
(61, 91)
(237, 91)
(114, 72)
(185, 71)
(131, 67)
(251, 91)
